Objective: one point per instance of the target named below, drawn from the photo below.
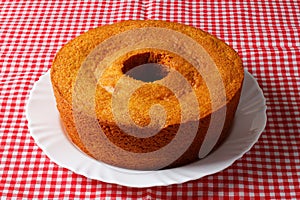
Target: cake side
(126, 142)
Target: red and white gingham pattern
(266, 35)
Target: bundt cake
(147, 95)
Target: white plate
(45, 128)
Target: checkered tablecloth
(266, 34)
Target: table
(265, 34)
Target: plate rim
(162, 177)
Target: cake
(147, 95)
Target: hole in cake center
(145, 68)
(148, 72)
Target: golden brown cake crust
(70, 58)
